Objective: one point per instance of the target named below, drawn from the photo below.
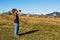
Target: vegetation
(49, 28)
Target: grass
(49, 28)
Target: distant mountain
(51, 14)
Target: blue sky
(31, 6)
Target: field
(48, 28)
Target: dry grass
(49, 28)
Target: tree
(9, 12)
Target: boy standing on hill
(16, 14)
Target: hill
(56, 13)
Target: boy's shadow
(28, 32)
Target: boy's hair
(13, 10)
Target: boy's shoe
(16, 36)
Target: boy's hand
(19, 12)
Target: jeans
(16, 29)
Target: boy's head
(14, 10)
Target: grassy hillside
(48, 28)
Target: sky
(31, 6)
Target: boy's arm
(18, 13)
(14, 16)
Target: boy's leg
(15, 29)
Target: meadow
(48, 28)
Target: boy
(16, 14)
